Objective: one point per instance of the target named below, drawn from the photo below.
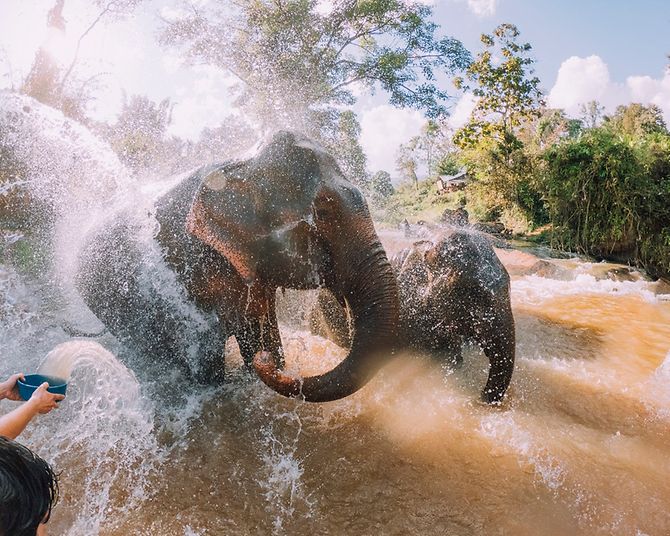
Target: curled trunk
(365, 279)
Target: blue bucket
(31, 382)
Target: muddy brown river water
(581, 445)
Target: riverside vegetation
(597, 185)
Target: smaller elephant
(452, 289)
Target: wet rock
(662, 287)
(548, 270)
(494, 228)
(623, 273)
(458, 217)
(517, 262)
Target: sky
(613, 51)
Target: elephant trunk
(364, 277)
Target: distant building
(450, 183)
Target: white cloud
(383, 129)
(581, 80)
(461, 112)
(483, 8)
(649, 90)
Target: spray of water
(101, 438)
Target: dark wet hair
(28, 489)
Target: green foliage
(587, 185)
(297, 60)
(548, 128)
(417, 202)
(139, 131)
(491, 142)
(610, 196)
(507, 93)
(591, 114)
(226, 141)
(654, 207)
(381, 187)
(346, 148)
(637, 120)
(448, 164)
(407, 162)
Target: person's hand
(9, 388)
(43, 401)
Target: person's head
(28, 490)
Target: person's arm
(42, 401)
(9, 388)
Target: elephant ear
(222, 216)
(259, 207)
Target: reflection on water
(581, 445)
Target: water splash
(534, 289)
(103, 433)
(282, 484)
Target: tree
(296, 60)
(427, 142)
(448, 164)
(139, 133)
(381, 187)
(227, 141)
(42, 80)
(507, 93)
(107, 9)
(346, 148)
(406, 162)
(508, 97)
(426, 149)
(549, 128)
(637, 120)
(591, 114)
(609, 195)
(47, 82)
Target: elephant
(452, 289)
(228, 236)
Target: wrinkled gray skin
(452, 290)
(229, 236)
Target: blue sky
(632, 37)
(612, 51)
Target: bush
(422, 203)
(609, 195)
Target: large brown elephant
(228, 237)
(452, 289)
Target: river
(581, 445)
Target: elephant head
(287, 218)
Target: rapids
(580, 446)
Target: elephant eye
(321, 213)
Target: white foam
(533, 289)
